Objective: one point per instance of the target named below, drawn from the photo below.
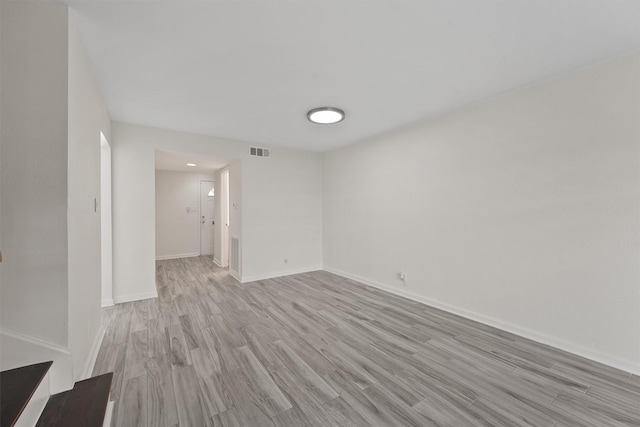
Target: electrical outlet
(402, 276)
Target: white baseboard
(35, 341)
(108, 414)
(93, 355)
(17, 350)
(247, 279)
(134, 297)
(176, 256)
(576, 349)
(107, 303)
(217, 262)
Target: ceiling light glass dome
(325, 115)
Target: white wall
(1, 139)
(87, 118)
(236, 206)
(33, 168)
(217, 216)
(52, 115)
(16, 350)
(283, 204)
(522, 212)
(178, 231)
(235, 209)
(134, 204)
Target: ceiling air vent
(259, 152)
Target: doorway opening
(106, 236)
(207, 217)
(192, 206)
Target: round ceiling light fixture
(325, 115)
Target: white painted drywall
(19, 350)
(236, 206)
(134, 204)
(522, 212)
(217, 216)
(283, 204)
(87, 118)
(33, 167)
(1, 139)
(177, 229)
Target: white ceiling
(166, 160)
(251, 70)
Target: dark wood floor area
(316, 349)
(83, 406)
(17, 386)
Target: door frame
(224, 218)
(106, 223)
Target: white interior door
(224, 205)
(207, 222)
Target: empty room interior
(320, 213)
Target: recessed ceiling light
(191, 164)
(325, 115)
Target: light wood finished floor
(316, 349)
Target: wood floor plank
(222, 354)
(595, 410)
(179, 350)
(310, 350)
(311, 382)
(112, 359)
(265, 391)
(456, 350)
(132, 410)
(203, 361)
(357, 374)
(192, 333)
(228, 418)
(191, 409)
(358, 400)
(228, 331)
(397, 410)
(213, 392)
(498, 385)
(118, 331)
(495, 415)
(250, 410)
(443, 408)
(264, 354)
(430, 372)
(162, 409)
(157, 340)
(344, 413)
(616, 397)
(314, 412)
(135, 360)
(316, 349)
(291, 418)
(139, 316)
